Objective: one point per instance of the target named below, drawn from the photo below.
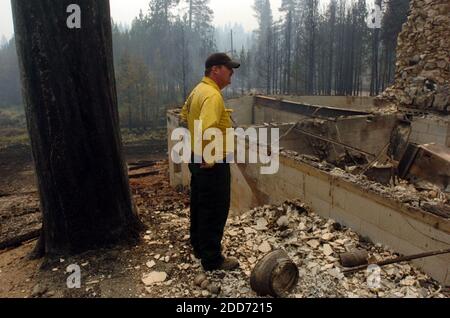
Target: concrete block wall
(363, 103)
(242, 109)
(431, 130)
(269, 115)
(383, 221)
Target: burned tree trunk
(71, 108)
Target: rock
(252, 260)
(261, 224)
(249, 230)
(283, 222)
(157, 256)
(167, 259)
(50, 294)
(154, 277)
(336, 273)
(198, 280)
(38, 290)
(441, 64)
(414, 60)
(408, 281)
(150, 264)
(214, 289)
(92, 282)
(265, 247)
(232, 233)
(205, 284)
(327, 250)
(313, 243)
(327, 236)
(147, 237)
(441, 101)
(205, 293)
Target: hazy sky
(225, 11)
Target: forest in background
(314, 48)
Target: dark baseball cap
(221, 59)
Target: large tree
(71, 108)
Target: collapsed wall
(423, 67)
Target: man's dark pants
(210, 204)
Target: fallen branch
(18, 240)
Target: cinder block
(424, 236)
(339, 198)
(436, 268)
(390, 221)
(319, 188)
(436, 130)
(377, 235)
(320, 206)
(347, 219)
(362, 207)
(419, 126)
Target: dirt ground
(20, 215)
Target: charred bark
(70, 100)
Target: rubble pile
(313, 243)
(422, 195)
(423, 65)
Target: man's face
(223, 75)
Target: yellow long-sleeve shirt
(206, 103)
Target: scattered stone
(205, 293)
(150, 264)
(38, 290)
(327, 250)
(154, 277)
(327, 236)
(204, 284)
(283, 222)
(313, 243)
(261, 224)
(214, 289)
(265, 247)
(198, 280)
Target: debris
(150, 264)
(283, 222)
(313, 243)
(204, 284)
(154, 277)
(214, 289)
(327, 250)
(265, 247)
(199, 279)
(261, 224)
(327, 236)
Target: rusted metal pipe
(354, 258)
(398, 260)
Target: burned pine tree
(71, 108)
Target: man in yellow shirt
(210, 181)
